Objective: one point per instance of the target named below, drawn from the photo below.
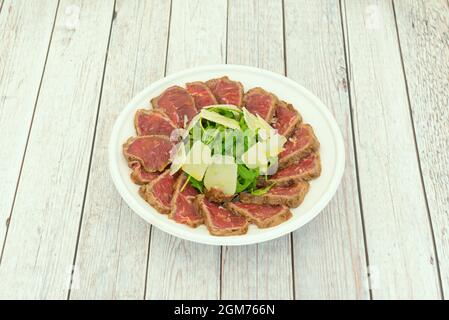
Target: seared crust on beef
(306, 175)
(259, 91)
(287, 132)
(214, 85)
(291, 201)
(201, 207)
(147, 195)
(216, 195)
(132, 157)
(139, 175)
(146, 192)
(283, 215)
(199, 99)
(163, 117)
(311, 146)
(177, 193)
(177, 115)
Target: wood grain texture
(112, 254)
(181, 269)
(264, 271)
(423, 29)
(399, 242)
(329, 252)
(20, 77)
(40, 246)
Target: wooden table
(68, 67)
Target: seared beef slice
(216, 195)
(264, 216)
(219, 220)
(291, 196)
(301, 143)
(306, 168)
(177, 104)
(261, 102)
(226, 91)
(149, 122)
(201, 93)
(159, 192)
(183, 209)
(152, 152)
(286, 118)
(139, 175)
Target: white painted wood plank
(25, 31)
(424, 38)
(42, 235)
(399, 241)
(261, 271)
(180, 269)
(112, 253)
(329, 252)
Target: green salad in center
(229, 149)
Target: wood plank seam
(423, 31)
(91, 150)
(292, 251)
(273, 60)
(379, 250)
(150, 231)
(113, 247)
(148, 263)
(29, 132)
(348, 68)
(417, 152)
(221, 247)
(151, 227)
(329, 259)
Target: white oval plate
(311, 108)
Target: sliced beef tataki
(159, 192)
(216, 195)
(139, 175)
(264, 216)
(152, 152)
(226, 91)
(183, 209)
(291, 196)
(149, 122)
(305, 169)
(286, 118)
(302, 142)
(219, 220)
(201, 93)
(177, 104)
(261, 102)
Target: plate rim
(229, 241)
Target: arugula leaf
(209, 135)
(244, 172)
(228, 113)
(262, 191)
(198, 185)
(246, 178)
(225, 141)
(243, 124)
(242, 186)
